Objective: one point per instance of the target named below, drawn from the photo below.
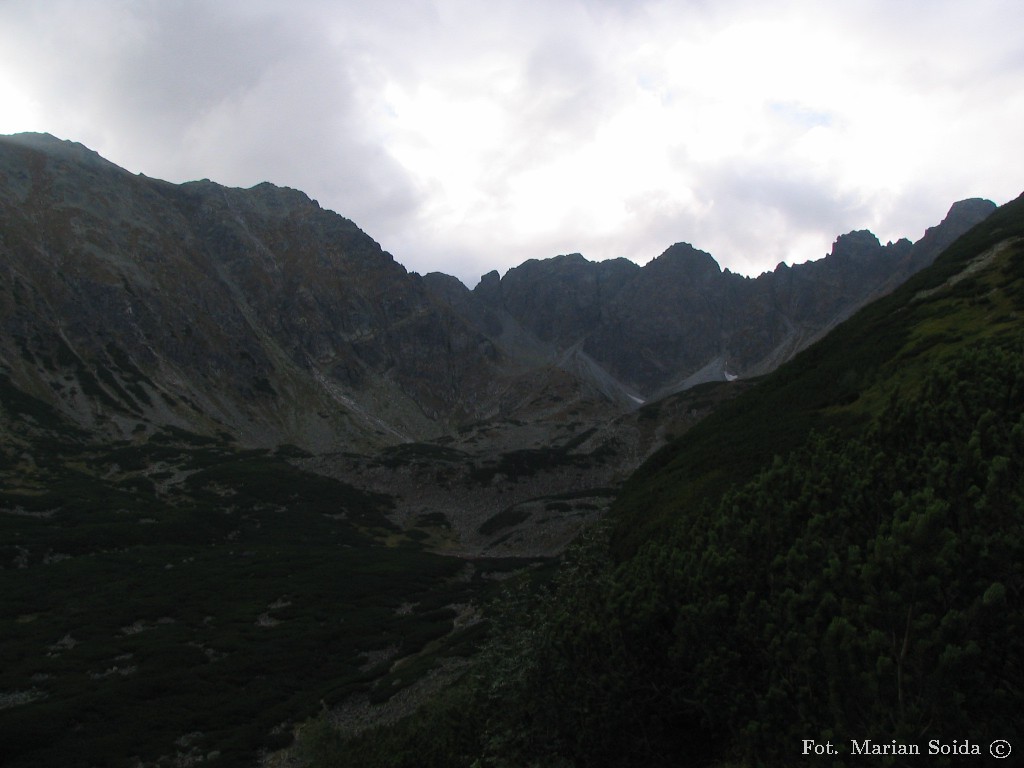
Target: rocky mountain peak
(490, 279)
(570, 258)
(683, 259)
(857, 245)
(962, 216)
(258, 312)
(973, 209)
(57, 148)
(215, 308)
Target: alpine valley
(259, 480)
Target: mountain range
(130, 303)
(833, 551)
(252, 470)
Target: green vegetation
(837, 554)
(183, 596)
(842, 383)
(856, 586)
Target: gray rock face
(961, 217)
(560, 299)
(681, 320)
(127, 303)
(126, 300)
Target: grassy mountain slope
(834, 555)
(974, 291)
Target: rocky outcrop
(560, 299)
(681, 319)
(127, 301)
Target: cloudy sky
(466, 136)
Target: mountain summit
(129, 302)
(251, 468)
(681, 320)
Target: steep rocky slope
(681, 319)
(860, 510)
(128, 302)
(130, 305)
(184, 579)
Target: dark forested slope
(974, 292)
(836, 555)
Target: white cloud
(467, 136)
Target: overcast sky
(469, 136)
